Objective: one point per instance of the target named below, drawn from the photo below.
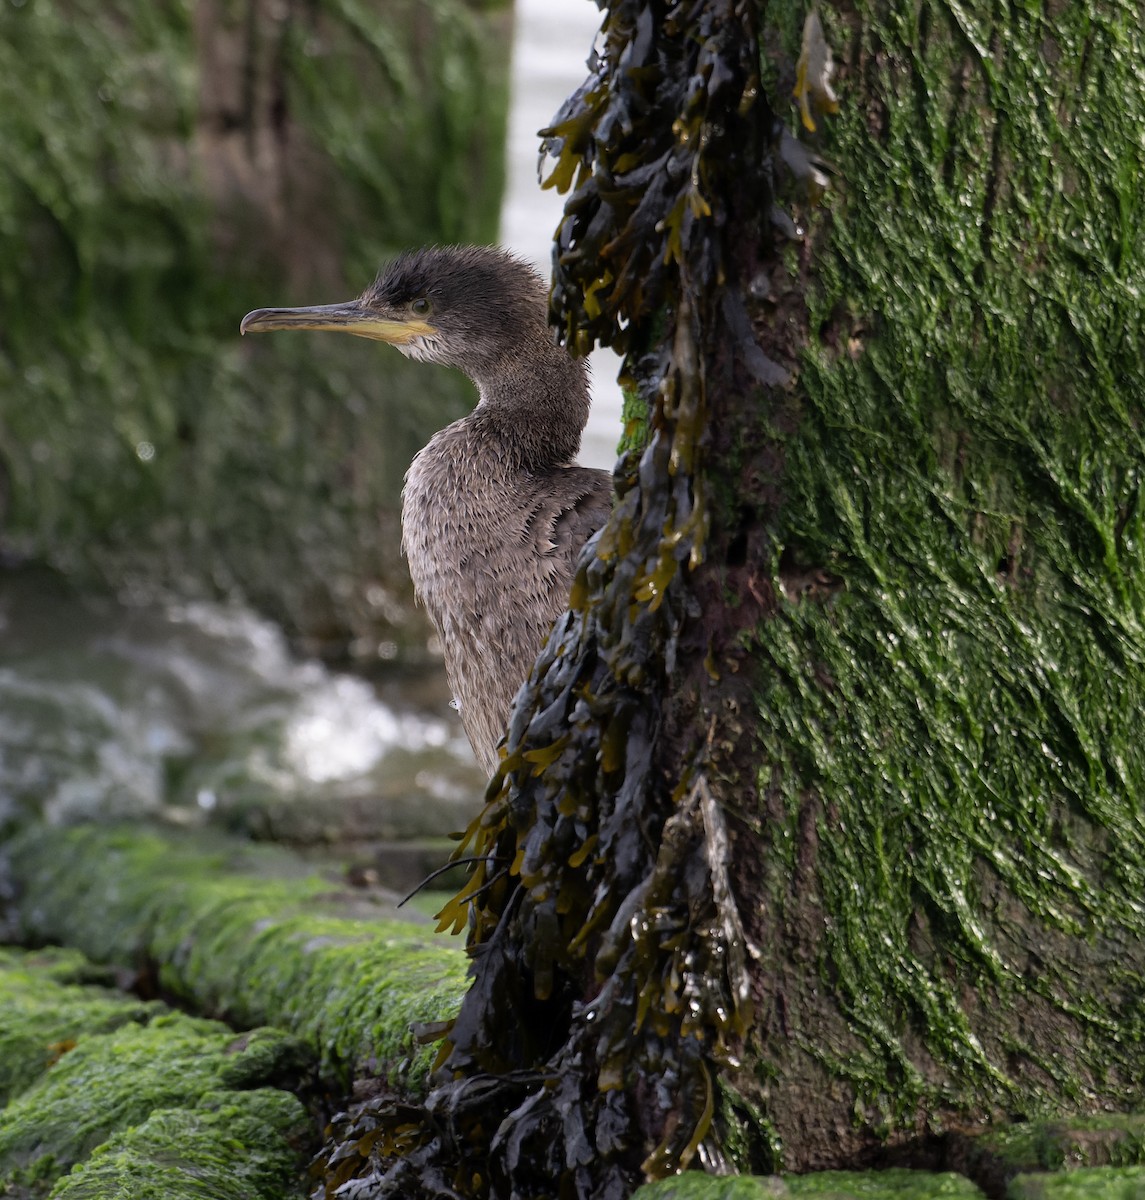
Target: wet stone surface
(137, 1099)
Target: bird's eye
(421, 306)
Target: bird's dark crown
(477, 281)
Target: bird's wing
(520, 590)
(583, 505)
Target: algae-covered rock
(112, 1081)
(1093, 1183)
(996, 1156)
(246, 933)
(883, 1185)
(821, 1185)
(43, 1011)
(171, 168)
(232, 1146)
(692, 1185)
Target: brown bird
(494, 509)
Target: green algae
(1107, 1139)
(257, 951)
(883, 1185)
(634, 420)
(115, 1080)
(828, 1185)
(231, 1146)
(957, 716)
(111, 1096)
(692, 1185)
(157, 175)
(43, 1012)
(1095, 1183)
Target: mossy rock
(43, 1012)
(248, 933)
(694, 1185)
(996, 1156)
(823, 1185)
(884, 1185)
(113, 1081)
(1091, 1183)
(233, 1146)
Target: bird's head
(469, 307)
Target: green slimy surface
(1108, 1139)
(110, 1082)
(692, 1185)
(232, 1146)
(826, 1185)
(1097, 1183)
(43, 1011)
(259, 951)
(883, 1185)
(946, 725)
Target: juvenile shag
(494, 510)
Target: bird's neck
(535, 405)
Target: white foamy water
(188, 711)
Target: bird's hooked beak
(399, 329)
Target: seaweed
(609, 979)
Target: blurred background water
(127, 688)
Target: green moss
(746, 1133)
(957, 715)
(411, 111)
(694, 1185)
(116, 1080)
(828, 1185)
(1109, 1139)
(43, 1012)
(883, 1185)
(260, 951)
(232, 1146)
(634, 418)
(1097, 1183)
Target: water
(199, 713)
